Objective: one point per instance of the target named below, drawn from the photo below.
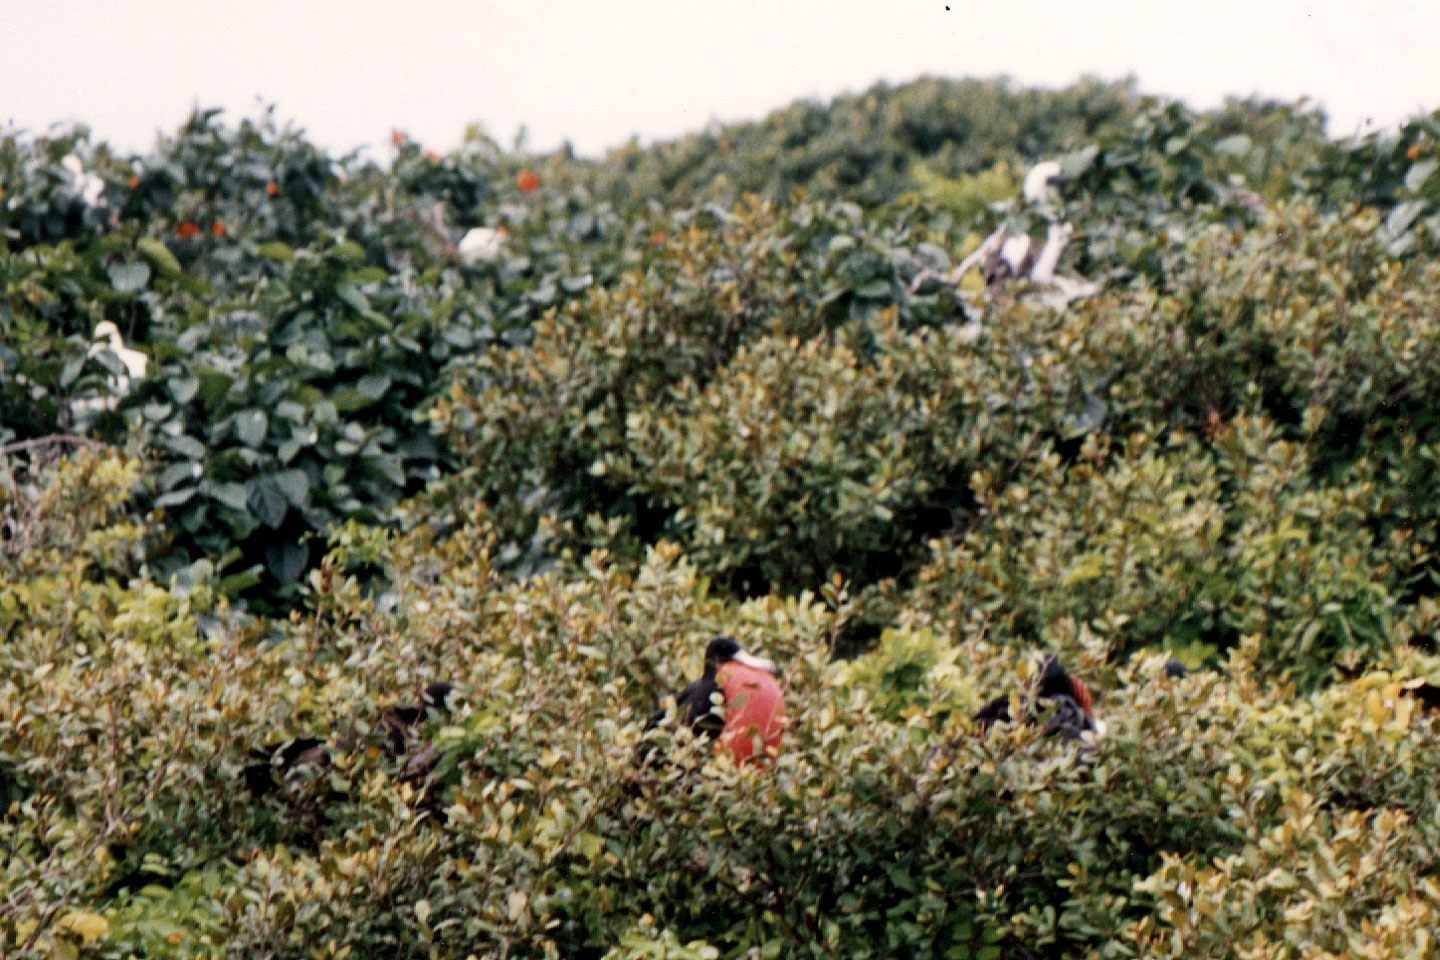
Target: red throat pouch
(755, 708)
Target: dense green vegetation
(723, 385)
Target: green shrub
(1180, 544)
(802, 457)
(658, 415)
(887, 826)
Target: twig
(21, 445)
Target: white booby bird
(107, 337)
(135, 362)
(1005, 256)
(87, 186)
(482, 244)
(1037, 186)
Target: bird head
(436, 695)
(726, 650)
(1038, 181)
(1055, 682)
(107, 330)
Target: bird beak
(759, 663)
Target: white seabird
(1036, 189)
(1004, 256)
(135, 361)
(107, 337)
(482, 244)
(87, 186)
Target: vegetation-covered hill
(726, 385)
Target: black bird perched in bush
(397, 722)
(1070, 698)
(265, 761)
(696, 708)
(1427, 693)
(396, 725)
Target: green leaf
(286, 561)
(250, 426)
(183, 389)
(236, 582)
(1076, 162)
(175, 498)
(349, 250)
(184, 446)
(270, 504)
(358, 302)
(1084, 568)
(387, 467)
(373, 386)
(232, 495)
(214, 385)
(1235, 146)
(159, 256)
(70, 372)
(295, 485)
(1416, 176)
(275, 250)
(366, 275)
(129, 277)
(176, 474)
(1402, 215)
(348, 400)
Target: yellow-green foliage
(797, 457)
(1219, 811)
(1175, 542)
(969, 195)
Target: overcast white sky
(600, 71)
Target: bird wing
(698, 709)
(995, 711)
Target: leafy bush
(657, 414)
(869, 836)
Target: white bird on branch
(87, 186)
(482, 244)
(1004, 256)
(107, 338)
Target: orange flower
(187, 229)
(272, 188)
(1413, 153)
(134, 181)
(432, 156)
(398, 137)
(526, 181)
(217, 228)
(657, 239)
